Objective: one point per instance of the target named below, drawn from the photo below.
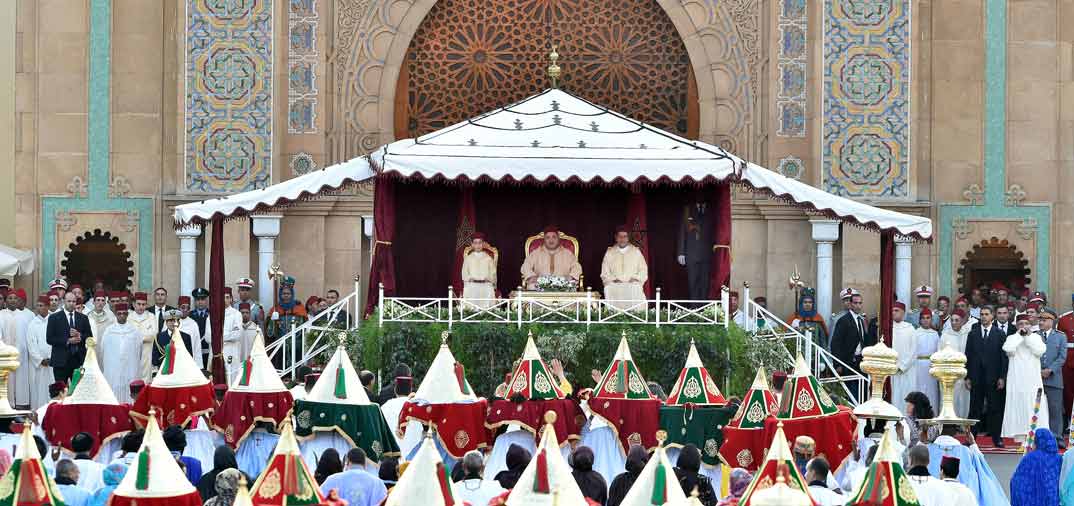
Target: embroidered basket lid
(426, 481)
(178, 369)
(695, 385)
(91, 387)
(622, 379)
(445, 382)
(258, 374)
(547, 480)
(656, 484)
(286, 479)
(26, 481)
(756, 405)
(532, 378)
(778, 460)
(803, 395)
(885, 482)
(154, 473)
(339, 383)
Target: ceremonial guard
(200, 314)
(1065, 324)
(287, 314)
(924, 299)
(171, 324)
(805, 318)
(246, 292)
(695, 246)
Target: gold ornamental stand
(879, 362)
(9, 361)
(948, 367)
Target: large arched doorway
(993, 260)
(470, 56)
(96, 255)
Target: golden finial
(275, 272)
(342, 337)
(795, 280)
(550, 417)
(553, 68)
(444, 337)
(661, 436)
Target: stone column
(188, 258)
(825, 233)
(266, 229)
(903, 260)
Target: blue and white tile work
(302, 67)
(793, 65)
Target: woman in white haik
(1023, 349)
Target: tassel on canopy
(142, 481)
(540, 483)
(341, 384)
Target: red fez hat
(1021, 316)
(899, 305)
(136, 386)
(311, 300)
(20, 293)
(622, 228)
(244, 305)
(122, 306)
(43, 298)
(926, 312)
(961, 313)
(53, 292)
(1034, 306)
(141, 296)
(227, 290)
(962, 298)
(184, 299)
(76, 285)
(478, 235)
(550, 229)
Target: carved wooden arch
(986, 260)
(369, 42)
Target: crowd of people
(52, 332)
(1015, 345)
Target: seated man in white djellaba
(479, 273)
(624, 272)
(551, 259)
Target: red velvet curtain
(426, 225)
(216, 299)
(721, 256)
(887, 284)
(383, 269)
(464, 232)
(638, 224)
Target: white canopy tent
(555, 138)
(15, 262)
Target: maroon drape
(887, 284)
(464, 232)
(383, 269)
(216, 299)
(721, 256)
(638, 224)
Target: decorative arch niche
(991, 260)
(96, 254)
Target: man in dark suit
(160, 306)
(388, 392)
(986, 366)
(848, 335)
(164, 338)
(696, 239)
(1003, 320)
(67, 331)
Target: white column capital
(189, 232)
(266, 225)
(825, 230)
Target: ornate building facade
(960, 110)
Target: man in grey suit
(1051, 369)
(696, 239)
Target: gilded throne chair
(565, 241)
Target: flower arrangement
(550, 283)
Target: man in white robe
(38, 352)
(146, 323)
(190, 327)
(10, 329)
(409, 438)
(121, 357)
(902, 341)
(100, 318)
(232, 351)
(955, 336)
(624, 273)
(22, 317)
(479, 273)
(551, 259)
(250, 328)
(1023, 349)
(927, 341)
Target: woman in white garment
(479, 273)
(955, 336)
(1023, 349)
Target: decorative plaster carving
(119, 187)
(961, 228)
(78, 187)
(65, 220)
(1027, 228)
(974, 194)
(1015, 195)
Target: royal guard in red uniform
(1066, 326)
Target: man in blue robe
(254, 451)
(974, 471)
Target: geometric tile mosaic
(793, 62)
(302, 67)
(867, 98)
(228, 95)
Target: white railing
(317, 334)
(821, 361)
(583, 308)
